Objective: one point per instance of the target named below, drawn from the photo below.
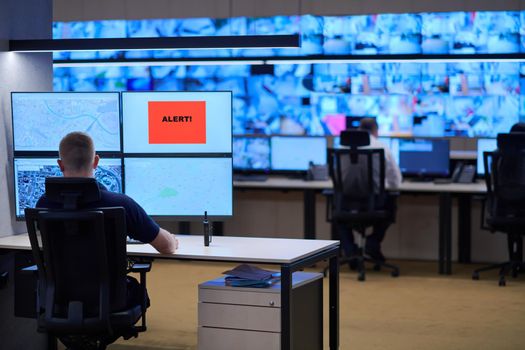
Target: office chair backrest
(358, 174)
(506, 180)
(81, 260)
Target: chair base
(513, 267)
(361, 270)
(378, 264)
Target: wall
(30, 19)
(273, 213)
(83, 10)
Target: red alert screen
(177, 122)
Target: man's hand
(165, 242)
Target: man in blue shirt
(78, 159)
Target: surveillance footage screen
(181, 186)
(41, 119)
(434, 99)
(31, 173)
(251, 153)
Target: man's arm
(165, 242)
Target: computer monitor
(177, 122)
(30, 175)
(422, 157)
(484, 145)
(180, 186)
(294, 153)
(251, 154)
(353, 122)
(41, 119)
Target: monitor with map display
(30, 175)
(41, 119)
(177, 122)
(183, 187)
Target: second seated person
(78, 159)
(393, 180)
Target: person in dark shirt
(78, 159)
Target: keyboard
(250, 177)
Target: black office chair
(82, 267)
(504, 208)
(359, 196)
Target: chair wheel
(502, 282)
(475, 276)
(395, 273)
(361, 277)
(377, 267)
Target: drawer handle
(272, 303)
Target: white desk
(463, 192)
(291, 254)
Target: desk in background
(445, 192)
(290, 254)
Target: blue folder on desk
(246, 275)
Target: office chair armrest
(30, 269)
(142, 268)
(327, 193)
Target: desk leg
(334, 302)
(445, 233)
(286, 307)
(52, 343)
(464, 230)
(309, 214)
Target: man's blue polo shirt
(139, 225)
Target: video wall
(170, 151)
(466, 98)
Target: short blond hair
(77, 151)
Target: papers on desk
(246, 275)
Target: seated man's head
(518, 127)
(370, 125)
(77, 155)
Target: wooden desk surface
(407, 186)
(222, 248)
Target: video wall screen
(251, 153)
(408, 33)
(407, 99)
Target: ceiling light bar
(517, 58)
(152, 63)
(157, 43)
